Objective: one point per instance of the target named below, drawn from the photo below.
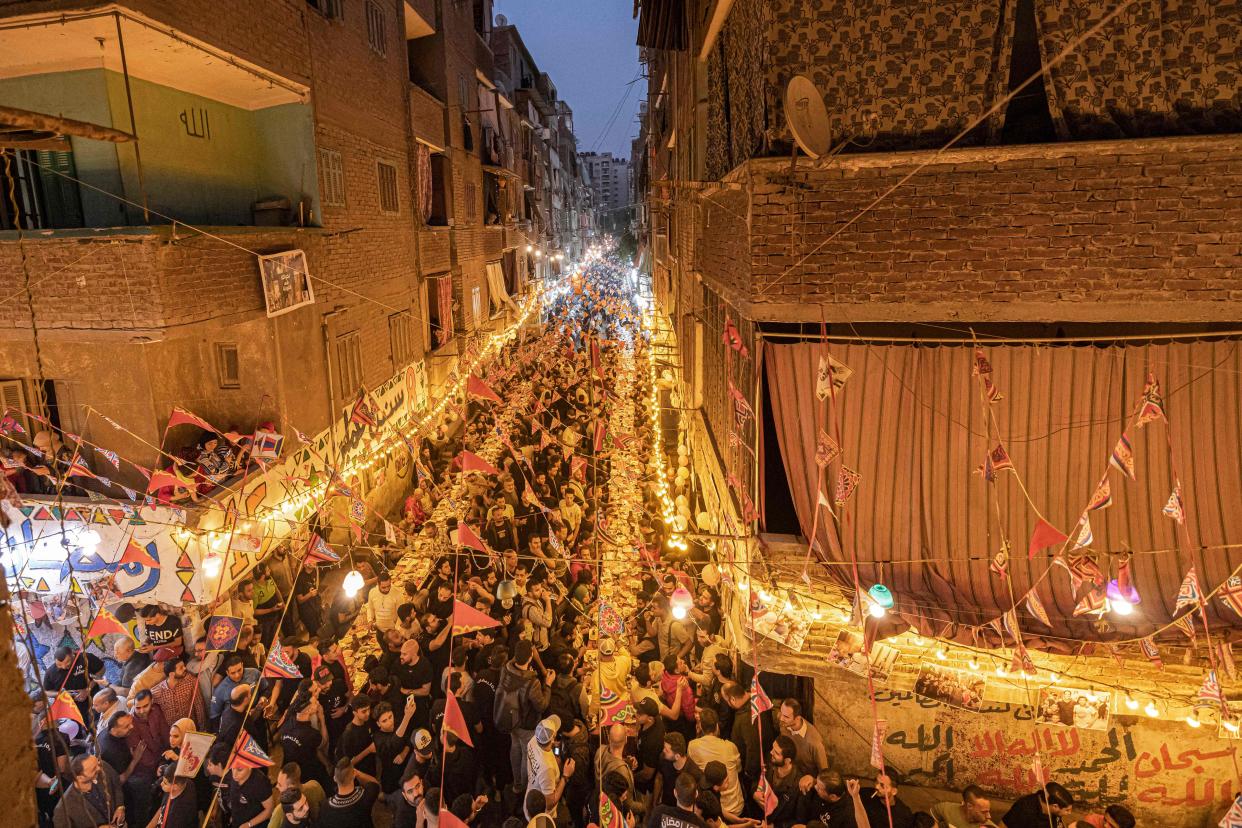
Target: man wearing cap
(614, 667)
(650, 744)
(543, 770)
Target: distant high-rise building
(610, 183)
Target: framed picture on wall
(286, 281)
(1074, 707)
(956, 688)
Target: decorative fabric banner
(1093, 603)
(318, 551)
(831, 377)
(466, 536)
(222, 633)
(1122, 458)
(357, 511)
(9, 425)
(847, 482)
(111, 456)
(609, 814)
(826, 449)
(759, 701)
(1036, 608)
(741, 407)
(997, 460)
(733, 338)
(1189, 595)
(1231, 593)
(1151, 407)
(363, 412)
(981, 366)
(180, 416)
(1174, 508)
(1045, 535)
(765, 793)
(991, 392)
(1000, 563)
(610, 621)
(1210, 692)
(1233, 819)
(877, 743)
(467, 619)
(1102, 498)
(248, 754)
(1085, 538)
(1149, 648)
(278, 664)
(1186, 623)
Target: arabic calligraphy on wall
(1167, 776)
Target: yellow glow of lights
(1151, 710)
(1132, 703)
(1193, 721)
(942, 655)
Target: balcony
(220, 141)
(420, 18)
(427, 117)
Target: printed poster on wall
(286, 281)
(956, 688)
(1074, 707)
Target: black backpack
(510, 701)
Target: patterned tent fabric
(1159, 67)
(913, 425)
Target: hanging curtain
(423, 160)
(924, 522)
(1159, 67)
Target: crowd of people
(392, 710)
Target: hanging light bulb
(1122, 596)
(1193, 720)
(1120, 606)
(877, 611)
(212, 565)
(942, 655)
(881, 600)
(972, 664)
(1000, 671)
(917, 641)
(353, 583)
(1053, 678)
(1131, 702)
(1151, 710)
(1230, 724)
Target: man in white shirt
(381, 606)
(543, 772)
(709, 747)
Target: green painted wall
(212, 177)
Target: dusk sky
(591, 56)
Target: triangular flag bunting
(105, 623)
(278, 665)
(1149, 648)
(180, 416)
(64, 707)
(1151, 407)
(759, 701)
(455, 721)
(318, 551)
(1175, 508)
(468, 537)
(477, 388)
(1102, 498)
(1036, 608)
(1122, 458)
(1189, 594)
(248, 754)
(1210, 692)
(363, 412)
(467, 619)
(468, 461)
(1045, 535)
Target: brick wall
(1144, 230)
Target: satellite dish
(807, 116)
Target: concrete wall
(17, 801)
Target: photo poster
(194, 749)
(848, 654)
(1074, 707)
(787, 626)
(956, 688)
(286, 281)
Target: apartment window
(377, 28)
(389, 201)
(439, 190)
(440, 309)
(331, 9)
(348, 365)
(332, 178)
(228, 371)
(399, 339)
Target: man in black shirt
(682, 814)
(382, 688)
(412, 674)
(673, 763)
(1043, 808)
(333, 692)
(74, 670)
(405, 803)
(162, 630)
(249, 797)
(350, 806)
(833, 801)
(459, 767)
(650, 744)
(882, 799)
(180, 806)
(301, 740)
(357, 735)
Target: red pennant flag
(468, 537)
(180, 416)
(599, 436)
(764, 790)
(467, 619)
(64, 707)
(1045, 535)
(363, 413)
(471, 462)
(105, 623)
(577, 465)
(476, 387)
(248, 754)
(454, 721)
(136, 553)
